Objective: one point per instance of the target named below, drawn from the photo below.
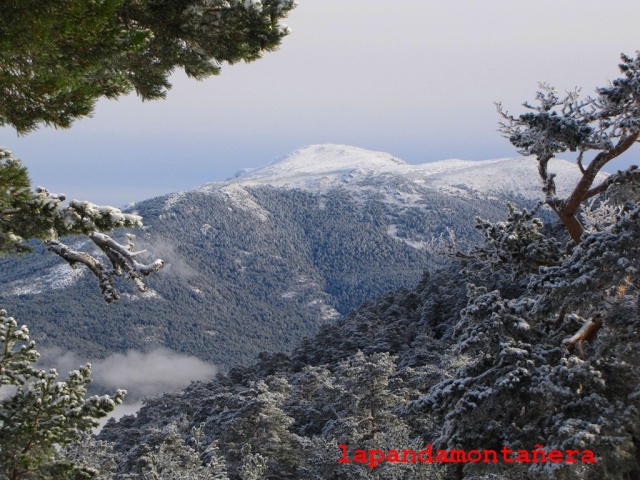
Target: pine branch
(104, 276)
(608, 125)
(122, 259)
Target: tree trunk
(573, 226)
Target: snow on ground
(508, 176)
(57, 277)
(242, 199)
(392, 231)
(173, 199)
(327, 312)
(319, 168)
(148, 294)
(322, 167)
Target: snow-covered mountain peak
(328, 161)
(320, 168)
(326, 166)
(333, 157)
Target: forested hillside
(471, 358)
(256, 266)
(513, 359)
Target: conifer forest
(367, 319)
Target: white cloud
(149, 374)
(141, 374)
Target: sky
(415, 78)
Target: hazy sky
(416, 78)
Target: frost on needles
(599, 129)
(27, 215)
(58, 58)
(552, 356)
(40, 414)
(532, 339)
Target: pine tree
(174, 459)
(28, 215)
(365, 407)
(550, 361)
(553, 364)
(58, 57)
(256, 432)
(603, 127)
(39, 413)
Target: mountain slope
(258, 262)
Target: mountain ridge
(323, 167)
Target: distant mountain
(321, 168)
(259, 261)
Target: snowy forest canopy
(529, 341)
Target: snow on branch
(123, 261)
(91, 220)
(27, 214)
(105, 280)
(605, 126)
(517, 242)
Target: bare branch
(597, 190)
(122, 258)
(586, 333)
(579, 161)
(104, 276)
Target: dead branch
(587, 333)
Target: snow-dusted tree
(173, 453)
(27, 215)
(174, 459)
(518, 243)
(553, 365)
(523, 384)
(92, 454)
(311, 403)
(367, 405)
(254, 466)
(254, 430)
(598, 128)
(39, 413)
(365, 409)
(551, 361)
(58, 57)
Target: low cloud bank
(141, 374)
